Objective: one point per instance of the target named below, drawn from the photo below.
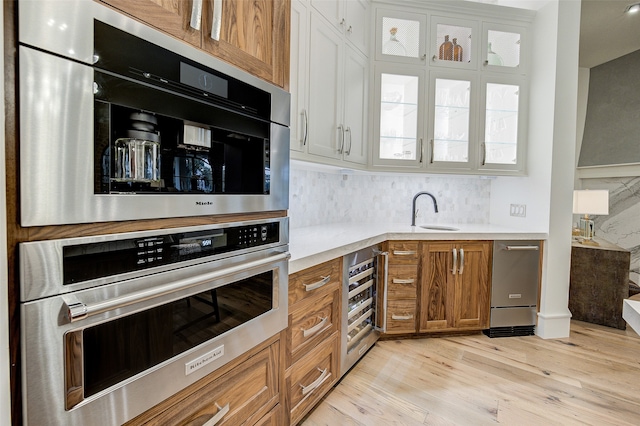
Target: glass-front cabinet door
(451, 124)
(399, 107)
(400, 37)
(453, 43)
(502, 124)
(503, 48)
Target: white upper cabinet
(503, 48)
(453, 43)
(299, 76)
(400, 37)
(350, 17)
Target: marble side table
(599, 283)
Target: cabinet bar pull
(402, 317)
(341, 149)
(421, 149)
(313, 330)
(431, 153)
(306, 127)
(483, 146)
(461, 269)
(521, 248)
(403, 281)
(455, 261)
(324, 375)
(404, 252)
(318, 284)
(196, 14)
(348, 130)
(222, 411)
(217, 20)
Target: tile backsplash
(318, 197)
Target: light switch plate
(518, 210)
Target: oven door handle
(76, 310)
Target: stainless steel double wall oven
(119, 122)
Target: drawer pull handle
(455, 261)
(313, 286)
(217, 20)
(402, 317)
(404, 252)
(461, 268)
(222, 411)
(316, 383)
(403, 281)
(196, 14)
(315, 328)
(521, 248)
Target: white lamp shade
(591, 202)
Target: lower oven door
(105, 355)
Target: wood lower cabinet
(402, 284)
(245, 391)
(312, 356)
(455, 286)
(254, 35)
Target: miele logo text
(204, 203)
(205, 359)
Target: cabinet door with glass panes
(504, 48)
(453, 43)
(452, 121)
(399, 105)
(503, 124)
(400, 37)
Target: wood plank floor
(589, 378)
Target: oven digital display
(91, 261)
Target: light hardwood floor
(589, 378)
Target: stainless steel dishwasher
(514, 288)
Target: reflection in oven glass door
(121, 348)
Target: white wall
(5, 398)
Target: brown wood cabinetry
(455, 286)
(254, 35)
(402, 285)
(245, 391)
(313, 354)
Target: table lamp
(588, 202)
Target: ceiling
(606, 32)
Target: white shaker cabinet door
(326, 131)
(298, 76)
(356, 101)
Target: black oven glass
(121, 348)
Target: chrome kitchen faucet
(413, 207)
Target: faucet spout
(413, 206)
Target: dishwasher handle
(521, 248)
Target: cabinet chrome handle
(350, 29)
(431, 146)
(461, 268)
(217, 20)
(455, 261)
(348, 130)
(483, 146)
(421, 149)
(424, 56)
(341, 149)
(306, 127)
(313, 330)
(196, 14)
(401, 317)
(403, 281)
(222, 411)
(404, 252)
(324, 375)
(317, 284)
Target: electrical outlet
(518, 210)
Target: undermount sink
(439, 228)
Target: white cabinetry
(329, 84)
(471, 116)
(349, 17)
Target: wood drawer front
(312, 377)
(403, 282)
(274, 418)
(311, 322)
(322, 278)
(401, 316)
(250, 390)
(403, 252)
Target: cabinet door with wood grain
(252, 35)
(177, 18)
(472, 298)
(436, 296)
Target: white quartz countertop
(313, 245)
